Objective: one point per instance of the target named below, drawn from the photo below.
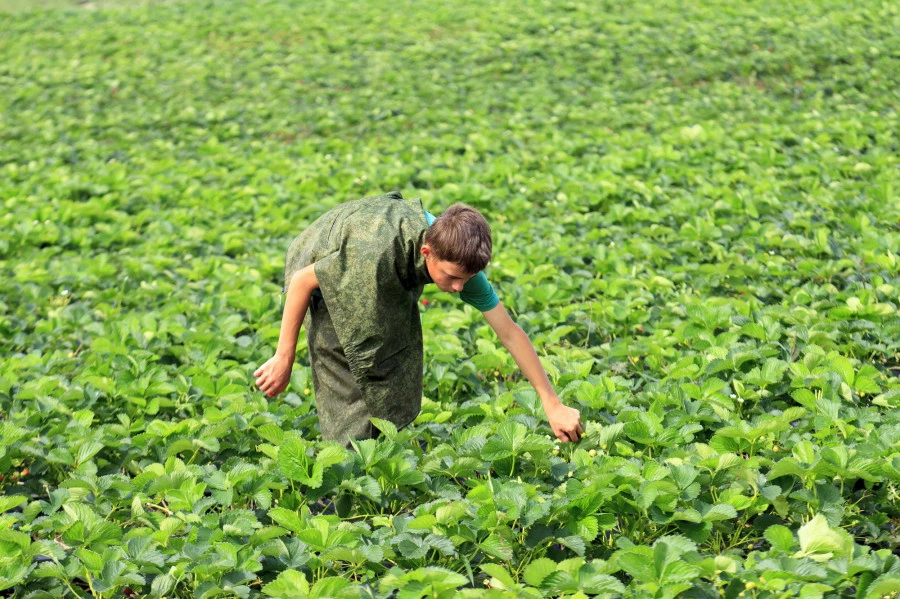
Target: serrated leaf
(864, 384)
(786, 467)
(588, 528)
(387, 428)
(596, 584)
(883, 586)
(162, 585)
(538, 570)
(412, 547)
(364, 485)
(780, 537)
(573, 542)
(15, 537)
(820, 542)
(721, 511)
(496, 546)
(87, 450)
(331, 454)
(287, 518)
(328, 587)
(9, 502)
(844, 367)
(91, 560)
(561, 582)
(290, 584)
(637, 562)
(271, 433)
(293, 460)
(500, 574)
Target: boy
(359, 270)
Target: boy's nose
(457, 286)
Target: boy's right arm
(273, 376)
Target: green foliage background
(696, 220)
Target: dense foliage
(696, 220)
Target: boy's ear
(426, 250)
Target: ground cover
(696, 219)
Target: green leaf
(287, 518)
(844, 367)
(387, 428)
(506, 442)
(328, 587)
(575, 543)
(496, 546)
(9, 502)
(13, 574)
(290, 584)
(271, 433)
(331, 454)
(683, 475)
(162, 585)
(365, 486)
(538, 570)
(597, 584)
(91, 560)
(820, 542)
(785, 467)
(588, 528)
(721, 511)
(883, 586)
(780, 537)
(638, 562)
(866, 385)
(814, 591)
(295, 463)
(87, 450)
(500, 574)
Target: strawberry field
(696, 220)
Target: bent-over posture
(359, 271)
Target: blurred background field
(38, 5)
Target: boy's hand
(565, 422)
(273, 376)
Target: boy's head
(461, 237)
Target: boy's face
(448, 276)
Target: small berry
(424, 302)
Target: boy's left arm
(565, 421)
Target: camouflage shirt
(371, 274)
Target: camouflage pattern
(363, 331)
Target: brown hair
(462, 236)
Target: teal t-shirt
(478, 291)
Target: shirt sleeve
(479, 293)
